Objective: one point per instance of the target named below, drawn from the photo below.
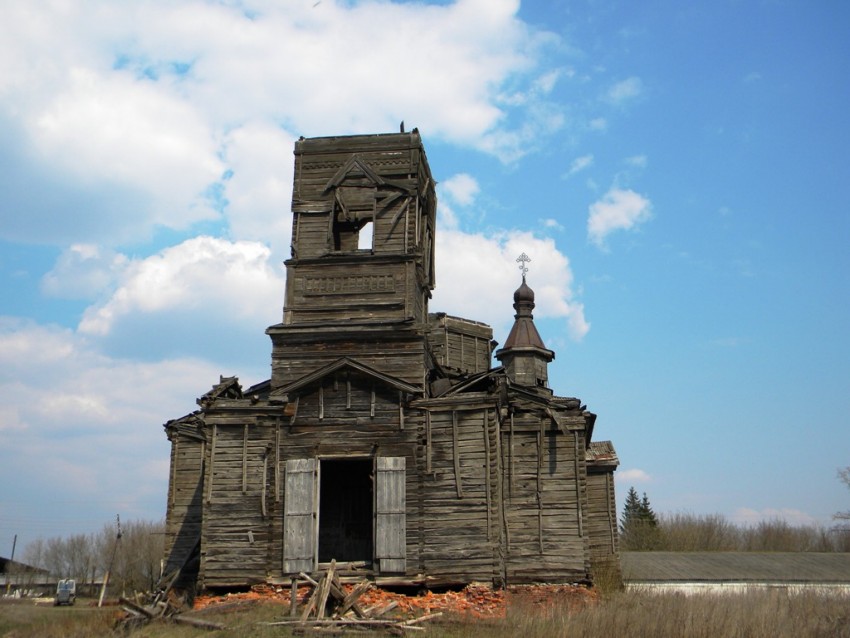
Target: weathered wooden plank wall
(543, 502)
(235, 527)
(185, 495)
(341, 183)
(603, 538)
(495, 481)
(396, 353)
(351, 416)
(458, 529)
(460, 344)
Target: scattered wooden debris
(138, 615)
(329, 608)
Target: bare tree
(33, 556)
(55, 557)
(844, 477)
(137, 555)
(86, 557)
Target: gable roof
(472, 381)
(344, 362)
(356, 165)
(227, 387)
(601, 454)
(353, 165)
(752, 567)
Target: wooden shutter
(390, 524)
(300, 516)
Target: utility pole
(10, 564)
(111, 560)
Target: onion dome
(524, 355)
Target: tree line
(133, 560)
(641, 529)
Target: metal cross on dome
(522, 260)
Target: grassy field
(772, 614)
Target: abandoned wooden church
(385, 438)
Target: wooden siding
(299, 516)
(460, 344)
(185, 498)
(349, 415)
(545, 510)
(235, 526)
(491, 493)
(359, 286)
(459, 526)
(341, 300)
(399, 353)
(390, 515)
(602, 516)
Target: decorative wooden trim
(540, 485)
(347, 390)
(428, 442)
(456, 456)
(277, 460)
(500, 492)
(578, 485)
(263, 512)
(487, 474)
(174, 462)
(608, 508)
(212, 463)
(295, 411)
(416, 226)
(407, 226)
(245, 458)
(511, 458)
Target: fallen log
(195, 622)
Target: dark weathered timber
(384, 438)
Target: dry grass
(25, 619)
(757, 614)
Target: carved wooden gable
(366, 208)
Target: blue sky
(676, 171)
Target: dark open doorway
(345, 510)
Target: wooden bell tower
(362, 265)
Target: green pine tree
(631, 511)
(639, 530)
(647, 515)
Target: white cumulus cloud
(619, 209)
(579, 164)
(96, 418)
(625, 90)
(84, 271)
(259, 188)
(464, 260)
(461, 188)
(110, 127)
(119, 119)
(631, 476)
(203, 273)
